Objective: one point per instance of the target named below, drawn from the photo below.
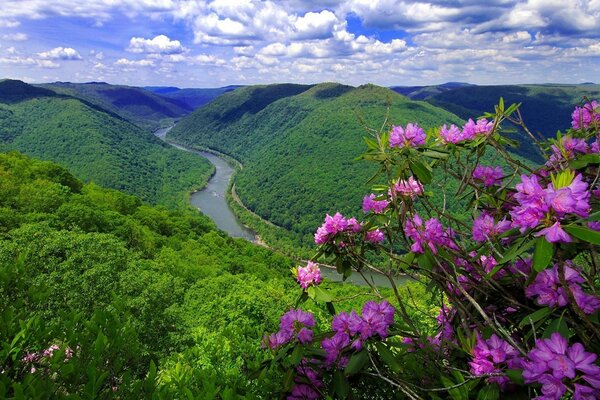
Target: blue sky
(194, 43)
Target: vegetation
(96, 145)
(193, 98)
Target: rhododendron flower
(293, 324)
(353, 225)
(370, 204)
(431, 235)
(303, 392)
(572, 199)
(375, 236)
(555, 234)
(485, 228)
(490, 176)
(584, 117)
(309, 275)
(549, 291)
(451, 135)
(331, 226)
(377, 318)
(408, 188)
(492, 356)
(568, 149)
(411, 136)
(472, 129)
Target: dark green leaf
(421, 171)
(515, 375)
(388, 357)
(520, 247)
(489, 392)
(558, 325)
(535, 317)
(542, 255)
(340, 384)
(583, 233)
(584, 161)
(357, 361)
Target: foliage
(97, 146)
(516, 285)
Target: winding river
(211, 201)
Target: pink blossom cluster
(375, 236)
(548, 290)
(431, 234)
(567, 150)
(351, 330)
(307, 383)
(371, 205)
(485, 228)
(492, 356)
(537, 205)
(33, 358)
(470, 131)
(552, 360)
(293, 325)
(334, 225)
(407, 188)
(308, 275)
(584, 117)
(489, 176)
(411, 136)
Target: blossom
(353, 225)
(549, 291)
(309, 275)
(572, 199)
(408, 188)
(375, 236)
(568, 148)
(377, 318)
(492, 356)
(583, 117)
(331, 226)
(484, 227)
(303, 392)
(490, 176)
(411, 136)
(376, 206)
(293, 324)
(555, 234)
(451, 135)
(532, 205)
(472, 129)
(430, 235)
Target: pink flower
(408, 188)
(411, 136)
(451, 135)
(375, 236)
(555, 234)
(490, 176)
(485, 228)
(376, 206)
(492, 356)
(583, 117)
(472, 129)
(309, 275)
(293, 324)
(430, 235)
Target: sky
(195, 43)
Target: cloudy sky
(194, 43)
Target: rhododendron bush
(517, 282)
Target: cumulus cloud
(134, 63)
(60, 53)
(160, 44)
(14, 37)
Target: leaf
(542, 255)
(421, 171)
(585, 234)
(516, 250)
(357, 361)
(340, 385)
(515, 375)
(489, 392)
(388, 357)
(558, 325)
(371, 143)
(321, 294)
(535, 316)
(584, 160)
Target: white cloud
(134, 63)
(7, 23)
(60, 53)
(160, 44)
(314, 25)
(517, 37)
(14, 37)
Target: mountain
(142, 107)
(95, 144)
(423, 92)
(297, 144)
(192, 98)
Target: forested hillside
(298, 143)
(191, 97)
(96, 145)
(142, 107)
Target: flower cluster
(351, 330)
(566, 150)
(549, 291)
(485, 228)
(370, 204)
(469, 131)
(334, 225)
(584, 117)
(293, 325)
(550, 205)
(375, 236)
(552, 360)
(492, 356)
(309, 275)
(489, 176)
(36, 357)
(411, 136)
(407, 188)
(430, 235)
(307, 383)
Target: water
(211, 199)
(211, 202)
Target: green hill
(545, 109)
(142, 107)
(191, 97)
(297, 144)
(96, 145)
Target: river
(211, 202)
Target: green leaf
(515, 375)
(357, 361)
(558, 325)
(542, 255)
(489, 392)
(388, 357)
(535, 316)
(516, 250)
(340, 384)
(321, 294)
(421, 171)
(585, 234)
(584, 161)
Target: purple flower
(377, 318)
(292, 324)
(555, 234)
(334, 346)
(572, 199)
(492, 356)
(353, 225)
(451, 135)
(583, 117)
(350, 324)
(430, 235)
(331, 226)
(583, 392)
(375, 236)
(472, 129)
(532, 206)
(484, 227)
(303, 392)
(408, 188)
(370, 204)
(411, 136)
(568, 148)
(309, 275)
(490, 176)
